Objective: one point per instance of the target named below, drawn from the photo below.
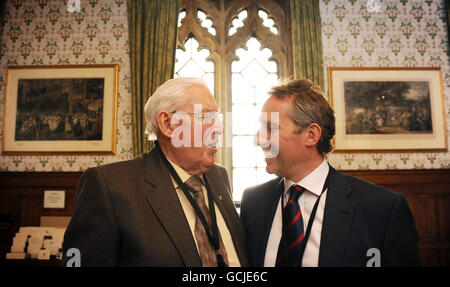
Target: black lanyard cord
(212, 233)
(311, 218)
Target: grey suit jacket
(128, 214)
(358, 216)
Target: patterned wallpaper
(401, 33)
(44, 32)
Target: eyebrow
(269, 123)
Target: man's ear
(163, 119)
(313, 133)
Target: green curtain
(307, 40)
(153, 33)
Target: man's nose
(260, 139)
(218, 126)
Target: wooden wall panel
(444, 216)
(424, 210)
(31, 207)
(21, 197)
(446, 257)
(427, 191)
(430, 257)
(428, 195)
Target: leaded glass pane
(206, 22)
(192, 63)
(237, 22)
(252, 75)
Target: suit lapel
(164, 201)
(228, 211)
(337, 219)
(270, 204)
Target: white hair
(168, 97)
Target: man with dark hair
(313, 215)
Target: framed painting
(388, 109)
(60, 109)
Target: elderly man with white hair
(155, 210)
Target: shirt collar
(184, 175)
(314, 181)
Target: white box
(33, 250)
(60, 232)
(17, 249)
(16, 255)
(34, 253)
(48, 231)
(36, 232)
(51, 245)
(25, 231)
(35, 241)
(19, 241)
(44, 254)
(21, 236)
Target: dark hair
(309, 106)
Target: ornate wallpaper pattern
(405, 33)
(397, 33)
(44, 32)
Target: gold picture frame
(60, 109)
(388, 109)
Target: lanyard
(311, 218)
(212, 233)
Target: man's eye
(272, 128)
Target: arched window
(241, 47)
(191, 62)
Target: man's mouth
(211, 145)
(270, 153)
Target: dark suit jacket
(128, 214)
(358, 216)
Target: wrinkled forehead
(201, 95)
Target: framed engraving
(388, 109)
(60, 109)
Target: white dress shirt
(233, 259)
(313, 183)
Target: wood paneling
(21, 197)
(444, 219)
(428, 195)
(427, 191)
(425, 213)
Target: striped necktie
(206, 250)
(293, 233)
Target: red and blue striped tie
(293, 233)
